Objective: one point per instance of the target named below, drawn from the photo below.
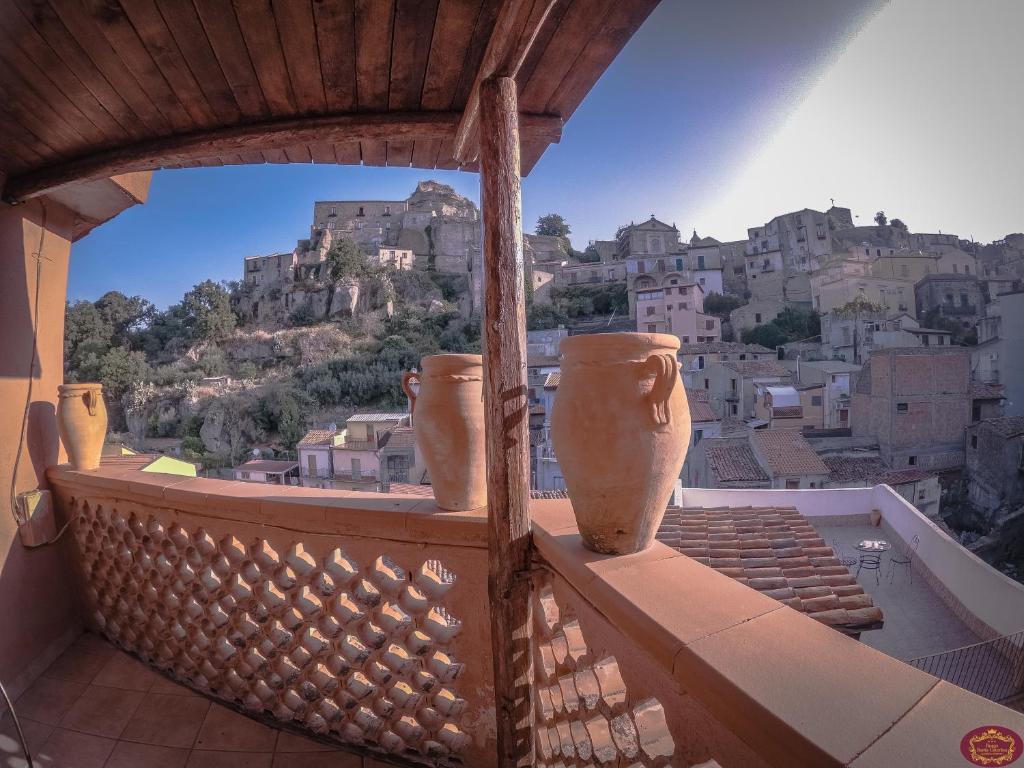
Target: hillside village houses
(871, 285)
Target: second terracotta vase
(448, 421)
(82, 421)
(620, 428)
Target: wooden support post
(507, 423)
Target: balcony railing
(357, 618)
(993, 669)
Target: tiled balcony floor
(917, 622)
(97, 707)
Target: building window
(700, 363)
(757, 318)
(732, 384)
(974, 442)
(902, 408)
(650, 311)
(707, 383)
(815, 399)
(360, 211)
(709, 325)
(652, 327)
(912, 461)
(679, 265)
(743, 355)
(686, 339)
(733, 409)
(682, 305)
(697, 435)
(792, 485)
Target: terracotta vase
(82, 420)
(448, 420)
(621, 428)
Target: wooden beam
(270, 135)
(515, 31)
(506, 422)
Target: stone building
(801, 238)
(732, 385)
(695, 358)
(844, 281)
(268, 270)
(995, 463)
(956, 297)
(674, 306)
(999, 356)
(762, 458)
(916, 403)
(754, 314)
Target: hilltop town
(816, 353)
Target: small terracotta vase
(448, 421)
(620, 427)
(82, 420)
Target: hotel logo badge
(991, 745)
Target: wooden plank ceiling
(89, 88)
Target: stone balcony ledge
(740, 677)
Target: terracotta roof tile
(851, 469)
(319, 437)
(734, 462)
(411, 489)
(398, 438)
(786, 452)
(1005, 426)
(700, 408)
(552, 380)
(980, 391)
(267, 465)
(795, 567)
(757, 367)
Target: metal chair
(871, 563)
(904, 556)
(843, 558)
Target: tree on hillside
(898, 224)
(346, 260)
(791, 325)
(541, 317)
(554, 225)
(880, 219)
(857, 307)
(719, 305)
(768, 335)
(126, 316)
(207, 311)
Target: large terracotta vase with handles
(621, 428)
(82, 420)
(448, 420)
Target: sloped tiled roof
(553, 379)
(787, 453)
(777, 552)
(757, 367)
(700, 408)
(714, 347)
(549, 494)
(734, 462)
(851, 469)
(318, 437)
(980, 391)
(1006, 426)
(397, 438)
(411, 489)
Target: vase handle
(90, 401)
(666, 373)
(406, 379)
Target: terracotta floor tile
(90, 641)
(80, 664)
(317, 760)
(102, 711)
(49, 699)
(36, 735)
(290, 742)
(69, 749)
(123, 671)
(129, 755)
(207, 759)
(229, 731)
(169, 721)
(168, 687)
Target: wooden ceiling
(91, 88)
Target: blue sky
(715, 116)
